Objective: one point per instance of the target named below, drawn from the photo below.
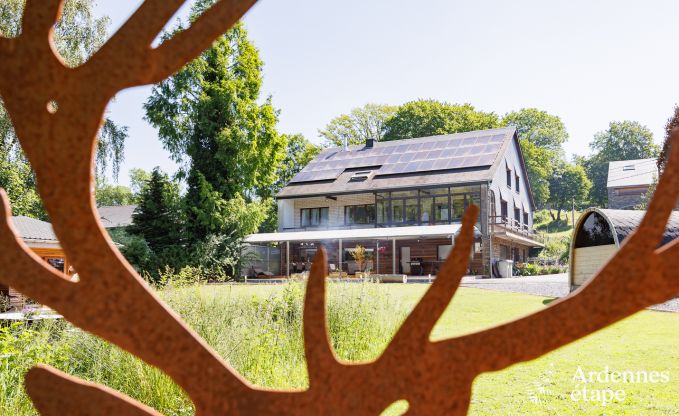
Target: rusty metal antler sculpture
(111, 300)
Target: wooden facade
(49, 251)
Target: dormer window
(628, 167)
(361, 175)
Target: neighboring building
(597, 237)
(628, 182)
(116, 216)
(40, 238)
(403, 201)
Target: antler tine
(320, 357)
(632, 280)
(665, 197)
(39, 18)
(77, 397)
(38, 279)
(172, 54)
(414, 333)
(134, 37)
(154, 65)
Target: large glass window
(359, 214)
(425, 206)
(426, 216)
(458, 206)
(382, 211)
(397, 211)
(314, 217)
(412, 211)
(441, 209)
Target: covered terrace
(411, 250)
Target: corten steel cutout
(112, 301)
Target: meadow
(258, 330)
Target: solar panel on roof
(437, 153)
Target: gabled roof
(638, 172)
(116, 216)
(30, 229)
(469, 157)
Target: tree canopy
(538, 127)
(423, 118)
(361, 124)
(212, 121)
(567, 185)
(623, 140)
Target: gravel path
(555, 285)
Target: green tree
(540, 169)
(623, 140)
(17, 179)
(423, 118)
(212, 121)
(158, 220)
(139, 178)
(113, 195)
(541, 136)
(361, 124)
(77, 35)
(538, 127)
(568, 184)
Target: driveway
(553, 285)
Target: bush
(4, 303)
(530, 269)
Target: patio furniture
(260, 272)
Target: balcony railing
(512, 225)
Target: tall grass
(260, 336)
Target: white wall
(335, 211)
(511, 159)
(286, 214)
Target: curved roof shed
(598, 235)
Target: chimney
(369, 143)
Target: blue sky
(589, 62)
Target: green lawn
(257, 328)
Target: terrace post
(287, 258)
(339, 258)
(393, 256)
(377, 256)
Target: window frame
(320, 217)
(367, 217)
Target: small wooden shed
(598, 235)
(40, 238)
